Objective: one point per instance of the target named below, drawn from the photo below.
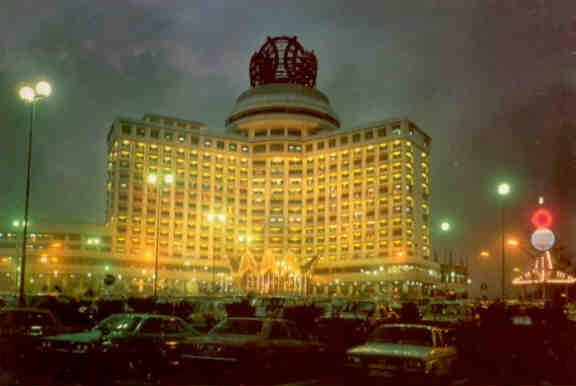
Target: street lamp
(484, 253)
(17, 225)
(512, 243)
(156, 180)
(445, 226)
(30, 95)
(503, 190)
(214, 218)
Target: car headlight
(81, 348)
(414, 363)
(354, 359)
(46, 344)
(108, 344)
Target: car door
(147, 339)
(174, 329)
(286, 343)
(445, 352)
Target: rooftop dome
(283, 93)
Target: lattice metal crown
(282, 59)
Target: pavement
(7, 380)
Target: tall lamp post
(214, 218)
(157, 181)
(446, 228)
(503, 190)
(32, 96)
(17, 225)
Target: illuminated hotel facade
(285, 196)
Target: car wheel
(355, 377)
(438, 378)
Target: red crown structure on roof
(282, 59)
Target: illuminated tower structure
(347, 208)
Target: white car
(404, 349)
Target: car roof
(25, 309)
(145, 315)
(409, 325)
(260, 319)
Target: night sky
(490, 81)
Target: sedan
(142, 343)
(21, 330)
(404, 349)
(251, 343)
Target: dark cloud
(480, 76)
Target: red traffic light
(542, 218)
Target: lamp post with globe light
(31, 95)
(214, 218)
(503, 190)
(18, 225)
(446, 229)
(157, 180)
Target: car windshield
(402, 335)
(117, 323)
(31, 318)
(238, 327)
(365, 307)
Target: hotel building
(285, 194)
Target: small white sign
(543, 239)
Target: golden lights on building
(349, 207)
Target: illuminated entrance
(271, 276)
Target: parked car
(207, 313)
(260, 344)
(268, 306)
(448, 311)
(21, 330)
(140, 343)
(404, 349)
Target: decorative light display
(542, 218)
(544, 272)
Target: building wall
(350, 200)
(77, 257)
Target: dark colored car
(21, 330)
(139, 343)
(246, 344)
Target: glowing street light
(445, 226)
(17, 224)
(29, 95)
(503, 190)
(43, 89)
(484, 254)
(93, 241)
(513, 243)
(245, 239)
(214, 218)
(152, 178)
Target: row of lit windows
(152, 152)
(341, 140)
